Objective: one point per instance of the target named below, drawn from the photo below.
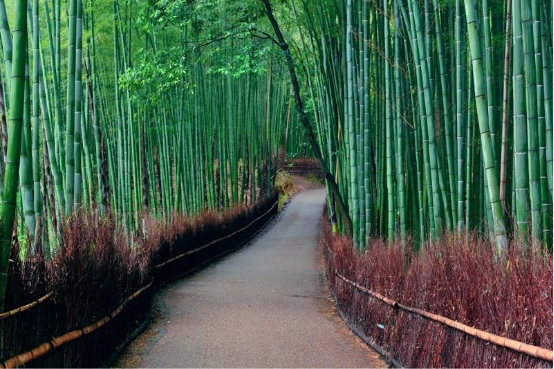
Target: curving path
(263, 306)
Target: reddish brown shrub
(97, 265)
(456, 277)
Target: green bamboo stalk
(452, 201)
(459, 119)
(78, 141)
(351, 143)
(506, 81)
(484, 130)
(35, 121)
(6, 39)
(8, 208)
(532, 120)
(400, 159)
(26, 167)
(70, 111)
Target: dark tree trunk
(341, 206)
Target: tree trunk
(341, 206)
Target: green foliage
(250, 59)
(156, 74)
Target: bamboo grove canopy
(435, 115)
(133, 109)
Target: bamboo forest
(276, 183)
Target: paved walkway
(263, 306)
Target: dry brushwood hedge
(458, 278)
(95, 270)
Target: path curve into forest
(265, 305)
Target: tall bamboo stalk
(15, 126)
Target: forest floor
(266, 305)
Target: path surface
(263, 306)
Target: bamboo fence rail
(20, 309)
(44, 348)
(520, 347)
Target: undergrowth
(285, 186)
(456, 277)
(315, 180)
